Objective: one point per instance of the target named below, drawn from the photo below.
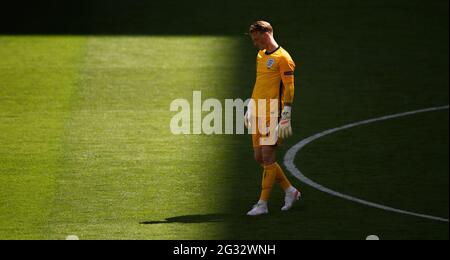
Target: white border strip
(291, 153)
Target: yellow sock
(269, 175)
(281, 178)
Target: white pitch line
(291, 153)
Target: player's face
(259, 40)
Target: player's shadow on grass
(189, 219)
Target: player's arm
(287, 67)
(250, 107)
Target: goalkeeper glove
(284, 128)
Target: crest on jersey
(270, 63)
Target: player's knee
(268, 156)
(259, 159)
(268, 160)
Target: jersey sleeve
(287, 68)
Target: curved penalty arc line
(292, 152)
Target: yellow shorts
(267, 136)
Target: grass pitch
(86, 148)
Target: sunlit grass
(104, 159)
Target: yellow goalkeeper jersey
(274, 77)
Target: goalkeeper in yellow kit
(273, 93)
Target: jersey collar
(268, 53)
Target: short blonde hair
(261, 27)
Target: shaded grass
(359, 60)
(409, 174)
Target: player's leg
(260, 207)
(268, 154)
(257, 151)
(273, 172)
(269, 158)
(291, 193)
(265, 155)
(270, 171)
(281, 179)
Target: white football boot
(259, 209)
(291, 196)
